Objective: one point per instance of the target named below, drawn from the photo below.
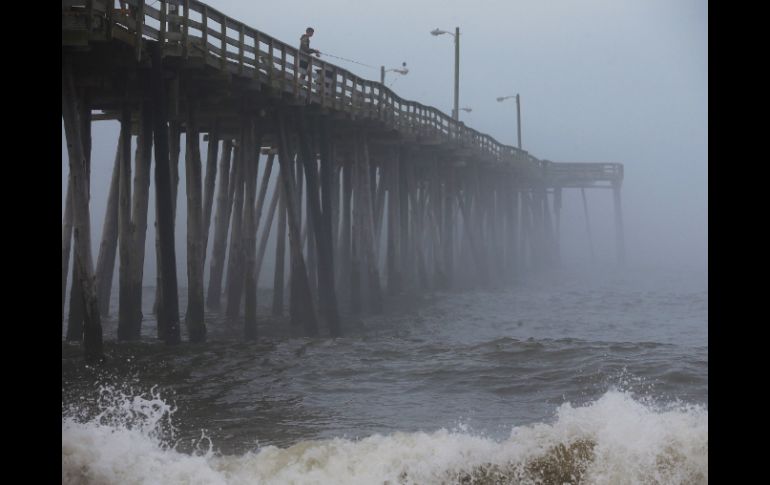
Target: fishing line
(349, 60)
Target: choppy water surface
(564, 379)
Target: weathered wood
(393, 253)
(329, 193)
(335, 210)
(513, 233)
(344, 237)
(208, 188)
(449, 225)
(66, 240)
(469, 226)
(169, 325)
(309, 234)
(523, 239)
(235, 254)
(79, 170)
(301, 308)
(280, 249)
(548, 234)
(75, 316)
(125, 231)
(320, 223)
(263, 191)
(620, 244)
(403, 206)
(221, 226)
(417, 199)
(379, 209)
(299, 177)
(266, 229)
(356, 251)
(139, 217)
(174, 145)
(251, 160)
(435, 214)
(196, 327)
(373, 274)
(108, 248)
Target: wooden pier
(377, 195)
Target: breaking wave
(129, 438)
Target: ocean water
(567, 378)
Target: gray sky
(600, 81)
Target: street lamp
(518, 114)
(436, 32)
(402, 70)
(466, 109)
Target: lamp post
(403, 70)
(518, 115)
(456, 35)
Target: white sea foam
(613, 440)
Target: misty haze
(404, 243)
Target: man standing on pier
(304, 47)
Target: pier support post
(221, 225)
(251, 150)
(449, 225)
(139, 210)
(280, 248)
(196, 327)
(79, 164)
(124, 227)
(169, 302)
(393, 249)
(620, 244)
(373, 274)
(301, 308)
(235, 256)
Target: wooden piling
(373, 274)
(208, 187)
(266, 229)
(301, 308)
(557, 222)
(620, 244)
(235, 254)
(449, 226)
(169, 326)
(280, 248)
(105, 265)
(75, 316)
(139, 209)
(196, 327)
(588, 224)
(79, 170)
(393, 249)
(403, 217)
(513, 231)
(221, 225)
(345, 235)
(174, 143)
(251, 167)
(320, 222)
(66, 239)
(124, 227)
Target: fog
(600, 81)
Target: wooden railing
(566, 174)
(191, 28)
